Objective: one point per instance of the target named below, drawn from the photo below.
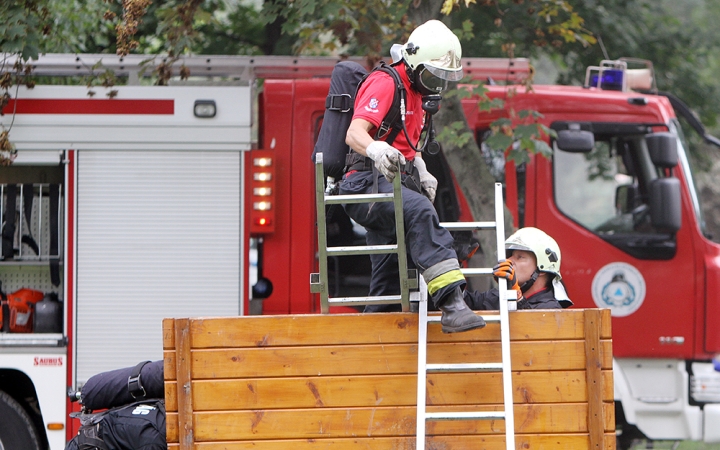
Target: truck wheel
(16, 427)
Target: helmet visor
(430, 82)
(445, 71)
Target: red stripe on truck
(90, 106)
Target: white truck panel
(655, 398)
(176, 129)
(159, 235)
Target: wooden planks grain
(348, 381)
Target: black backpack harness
(391, 125)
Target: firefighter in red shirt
(430, 59)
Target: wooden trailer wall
(309, 382)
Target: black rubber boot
(456, 316)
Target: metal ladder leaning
(424, 368)
(319, 281)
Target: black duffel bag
(123, 386)
(137, 426)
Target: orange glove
(505, 269)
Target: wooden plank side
(486, 442)
(360, 399)
(383, 390)
(290, 330)
(373, 422)
(593, 372)
(381, 359)
(606, 323)
(168, 328)
(170, 387)
(606, 345)
(184, 397)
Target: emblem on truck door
(620, 287)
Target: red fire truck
(196, 199)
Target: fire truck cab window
(607, 192)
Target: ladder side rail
(322, 233)
(422, 367)
(504, 326)
(401, 247)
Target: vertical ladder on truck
(504, 365)
(319, 281)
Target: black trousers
(428, 244)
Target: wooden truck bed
(307, 382)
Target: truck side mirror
(663, 149)
(665, 204)
(626, 198)
(575, 141)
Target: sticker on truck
(620, 287)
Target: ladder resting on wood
(312, 381)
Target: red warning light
(261, 188)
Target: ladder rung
(476, 271)
(361, 250)
(464, 367)
(474, 415)
(357, 198)
(488, 319)
(381, 299)
(459, 226)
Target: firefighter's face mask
(428, 83)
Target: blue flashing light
(612, 80)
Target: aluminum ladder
(424, 368)
(319, 281)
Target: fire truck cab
(619, 197)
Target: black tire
(16, 427)
(628, 435)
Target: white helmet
(432, 53)
(546, 250)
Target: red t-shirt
(374, 100)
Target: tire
(16, 427)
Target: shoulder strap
(393, 122)
(90, 438)
(135, 386)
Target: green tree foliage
(356, 27)
(521, 28)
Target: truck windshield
(607, 191)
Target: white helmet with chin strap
(432, 55)
(545, 249)
(547, 255)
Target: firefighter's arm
(385, 156)
(358, 135)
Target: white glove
(386, 158)
(428, 182)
